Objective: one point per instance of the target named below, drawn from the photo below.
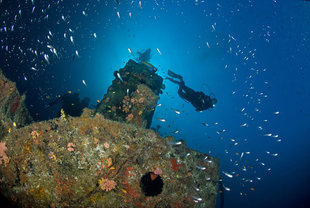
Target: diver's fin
(172, 74)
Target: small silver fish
(55, 52)
(84, 83)
(227, 174)
(46, 58)
(208, 44)
(241, 155)
(196, 188)
(77, 53)
(161, 119)
(197, 198)
(221, 131)
(71, 39)
(201, 167)
(187, 154)
(159, 51)
(119, 76)
(177, 112)
(226, 188)
(175, 143)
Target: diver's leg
(172, 74)
(181, 92)
(174, 81)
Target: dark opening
(151, 184)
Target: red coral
(127, 174)
(174, 165)
(132, 192)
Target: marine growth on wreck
(107, 157)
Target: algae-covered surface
(63, 162)
(91, 161)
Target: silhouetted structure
(71, 103)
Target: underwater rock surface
(13, 112)
(90, 161)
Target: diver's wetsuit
(71, 104)
(198, 99)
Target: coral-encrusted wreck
(133, 95)
(91, 161)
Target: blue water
(252, 55)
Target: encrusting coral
(93, 161)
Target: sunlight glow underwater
(81, 44)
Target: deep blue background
(265, 71)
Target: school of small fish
(58, 37)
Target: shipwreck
(107, 157)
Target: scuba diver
(198, 99)
(71, 103)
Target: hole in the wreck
(151, 184)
